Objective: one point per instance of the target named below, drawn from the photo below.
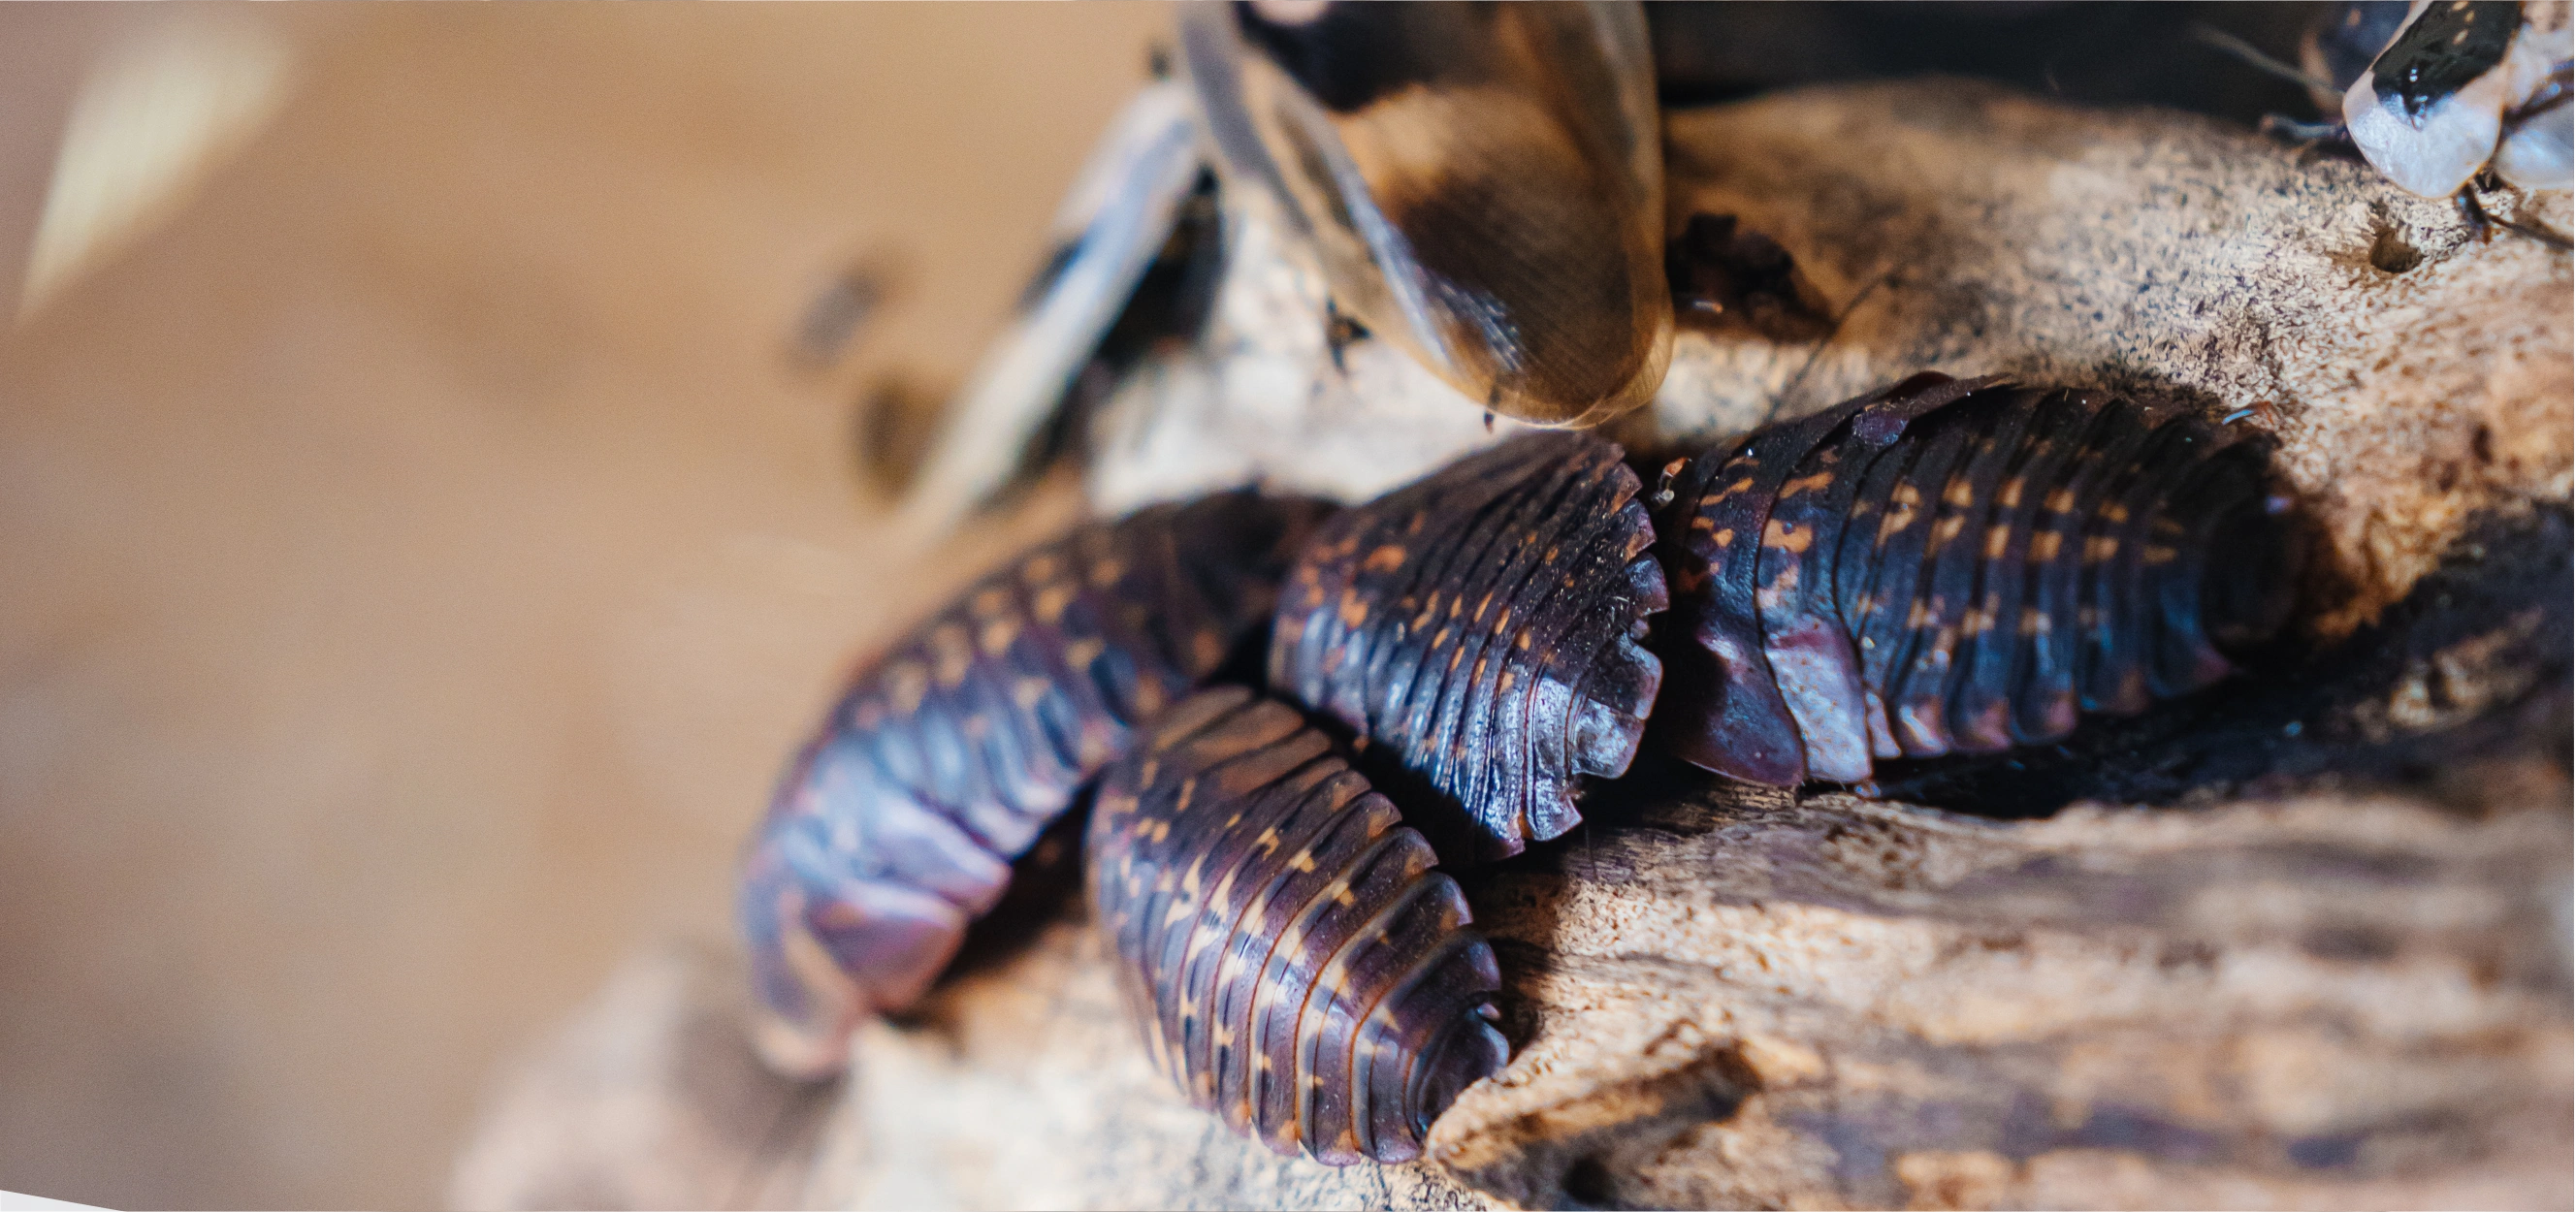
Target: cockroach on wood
(1484, 627)
(1482, 185)
(1956, 566)
(2444, 97)
(1942, 566)
(1295, 963)
(2468, 88)
(948, 755)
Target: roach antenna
(2255, 56)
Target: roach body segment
(948, 755)
(1952, 566)
(1486, 625)
(1293, 961)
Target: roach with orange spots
(949, 754)
(1956, 566)
(1294, 962)
(1485, 625)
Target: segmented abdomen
(1956, 566)
(1486, 625)
(949, 754)
(1293, 961)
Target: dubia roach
(949, 754)
(1485, 625)
(1955, 566)
(1295, 964)
(2466, 86)
(2444, 97)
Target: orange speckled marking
(1051, 602)
(1079, 654)
(1785, 538)
(906, 683)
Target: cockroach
(1481, 184)
(1293, 961)
(947, 756)
(1956, 566)
(1484, 626)
(2343, 41)
(2467, 86)
(2443, 97)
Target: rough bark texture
(2298, 941)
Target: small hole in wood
(1588, 1183)
(2390, 253)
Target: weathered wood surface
(2334, 1001)
(650, 1096)
(2302, 941)
(1731, 1000)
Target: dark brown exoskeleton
(1295, 963)
(1956, 566)
(948, 755)
(1486, 625)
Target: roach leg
(1340, 332)
(2482, 223)
(2552, 93)
(2330, 134)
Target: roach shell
(1481, 185)
(945, 758)
(1485, 625)
(1956, 566)
(1293, 962)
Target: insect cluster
(1297, 720)
(1941, 565)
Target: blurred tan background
(419, 544)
